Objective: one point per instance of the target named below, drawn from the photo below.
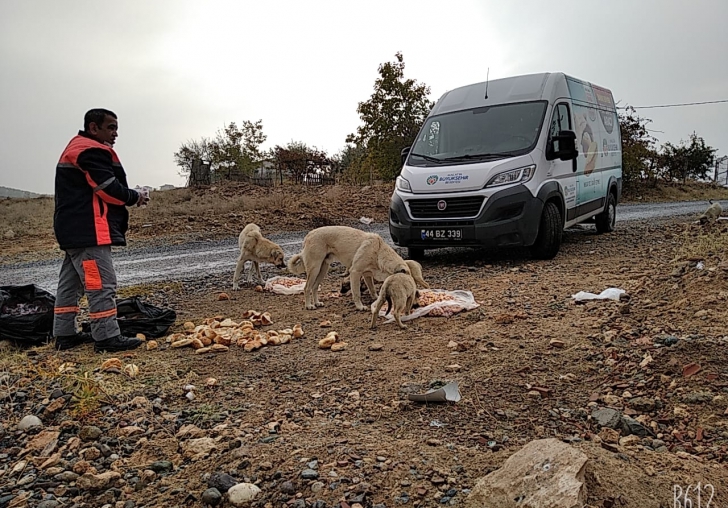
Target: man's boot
(118, 343)
(64, 342)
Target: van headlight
(403, 185)
(520, 175)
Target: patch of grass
(148, 289)
(87, 393)
(665, 192)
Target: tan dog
(712, 213)
(363, 254)
(256, 249)
(415, 270)
(400, 292)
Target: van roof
(528, 87)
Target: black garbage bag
(26, 314)
(135, 316)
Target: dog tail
(389, 305)
(295, 265)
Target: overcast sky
(175, 70)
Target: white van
(511, 162)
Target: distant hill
(7, 192)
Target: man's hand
(143, 196)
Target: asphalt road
(191, 260)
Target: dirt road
(190, 260)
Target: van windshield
(472, 135)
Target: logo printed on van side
(432, 180)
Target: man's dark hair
(96, 116)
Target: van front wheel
(550, 231)
(606, 220)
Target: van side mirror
(403, 154)
(563, 146)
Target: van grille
(455, 207)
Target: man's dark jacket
(91, 196)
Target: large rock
(544, 474)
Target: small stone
(642, 404)
(242, 493)
(221, 481)
(376, 347)
(453, 368)
(211, 497)
(629, 441)
(48, 503)
(90, 433)
(28, 422)
(90, 454)
(161, 466)
(610, 418)
(317, 487)
(56, 394)
(632, 426)
(309, 474)
(66, 477)
(223, 296)
(95, 482)
(609, 435)
(557, 343)
(287, 487)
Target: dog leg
(319, 280)
(309, 288)
(375, 312)
(398, 319)
(369, 281)
(238, 270)
(356, 289)
(257, 271)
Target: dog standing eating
(364, 255)
(400, 293)
(256, 249)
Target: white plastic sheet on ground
(274, 284)
(458, 301)
(607, 294)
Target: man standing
(91, 216)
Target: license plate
(441, 234)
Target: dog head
(416, 303)
(277, 258)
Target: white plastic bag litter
(457, 301)
(607, 294)
(285, 285)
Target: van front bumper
(509, 217)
